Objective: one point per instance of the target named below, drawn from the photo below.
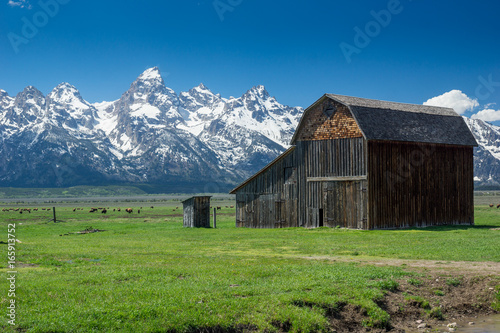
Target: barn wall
(319, 162)
(418, 185)
(270, 199)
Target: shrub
(378, 318)
(419, 301)
(389, 285)
(415, 282)
(436, 313)
(455, 282)
(496, 304)
(438, 292)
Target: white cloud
(487, 115)
(455, 99)
(20, 3)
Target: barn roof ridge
(394, 121)
(396, 106)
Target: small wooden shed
(197, 212)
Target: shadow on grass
(454, 227)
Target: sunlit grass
(146, 273)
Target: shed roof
(391, 121)
(196, 196)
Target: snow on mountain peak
(202, 88)
(259, 91)
(30, 95)
(66, 93)
(151, 74)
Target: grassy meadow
(146, 273)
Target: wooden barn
(196, 212)
(365, 164)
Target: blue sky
(406, 51)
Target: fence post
(54, 210)
(215, 217)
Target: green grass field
(146, 273)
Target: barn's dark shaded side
(365, 164)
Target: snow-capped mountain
(487, 154)
(149, 135)
(64, 107)
(246, 132)
(192, 141)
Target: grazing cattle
(491, 205)
(92, 210)
(219, 208)
(119, 209)
(35, 209)
(114, 209)
(498, 206)
(231, 206)
(152, 207)
(129, 210)
(20, 212)
(74, 209)
(139, 211)
(104, 211)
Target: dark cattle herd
(102, 210)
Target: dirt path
(469, 268)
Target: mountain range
(194, 141)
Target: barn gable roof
(391, 121)
(277, 159)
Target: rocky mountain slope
(195, 141)
(487, 154)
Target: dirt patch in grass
(440, 299)
(440, 292)
(468, 268)
(434, 302)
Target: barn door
(240, 213)
(280, 216)
(332, 207)
(344, 204)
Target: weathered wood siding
(329, 120)
(270, 199)
(319, 162)
(197, 212)
(418, 185)
(288, 193)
